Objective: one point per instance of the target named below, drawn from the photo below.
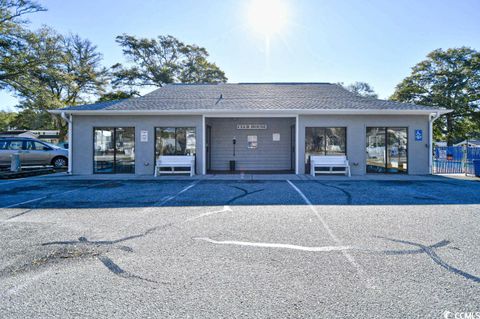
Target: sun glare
(267, 17)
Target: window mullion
(325, 141)
(176, 141)
(114, 150)
(386, 150)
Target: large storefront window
(324, 141)
(114, 150)
(387, 149)
(175, 141)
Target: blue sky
(376, 41)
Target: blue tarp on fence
(456, 153)
(451, 159)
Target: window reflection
(114, 150)
(376, 156)
(324, 141)
(397, 150)
(125, 150)
(104, 150)
(386, 150)
(175, 141)
(335, 141)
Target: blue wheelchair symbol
(418, 135)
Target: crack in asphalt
(84, 240)
(107, 262)
(442, 243)
(49, 257)
(79, 252)
(22, 213)
(245, 193)
(40, 199)
(110, 264)
(346, 193)
(349, 196)
(429, 251)
(115, 269)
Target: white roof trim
(273, 113)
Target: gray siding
(144, 151)
(356, 137)
(269, 154)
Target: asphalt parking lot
(210, 249)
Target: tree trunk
(62, 129)
(449, 129)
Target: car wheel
(59, 162)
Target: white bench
(330, 162)
(174, 161)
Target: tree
(117, 95)
(363, 89)
(30, 119)
(70, 73)
(14, 55)
(451, 79)
(156, 62)
(6, 120)
(12, 10)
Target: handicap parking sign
(418, 135)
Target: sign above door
(251, 126)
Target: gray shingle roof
(250, 97)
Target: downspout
(69, 121)
(297, 138)
(432, 117)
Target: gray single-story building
(267, 127)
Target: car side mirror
(46, 148)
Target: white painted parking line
(169, 198)
(17, 180)
(274, 245)
(361, 272)
(56, 194)
(27, 179)
(225, 209)
(26, 202)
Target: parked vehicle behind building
(32, 152)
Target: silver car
(32, 152)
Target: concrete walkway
(259, 177)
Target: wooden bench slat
(330, 162)
(174, 161)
